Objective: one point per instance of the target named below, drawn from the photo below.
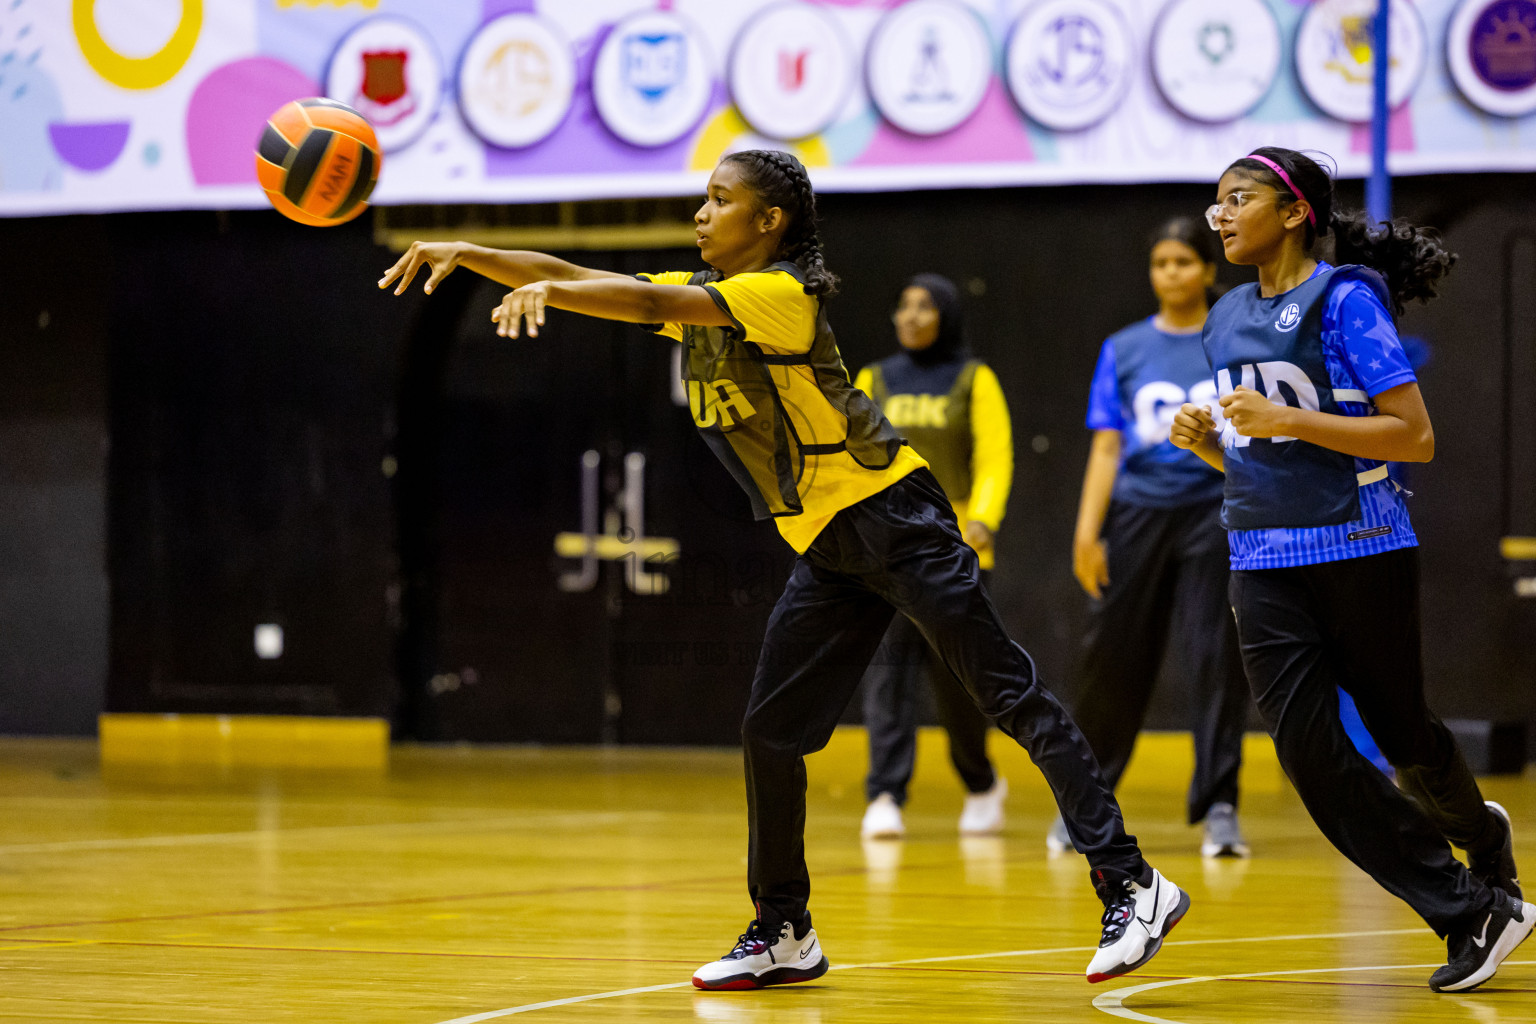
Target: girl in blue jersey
(1317, 396)
(874, 532)
(1148, 542)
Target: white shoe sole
(773, 976)
(1509, 939)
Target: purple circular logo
(1503, 45)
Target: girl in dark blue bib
(1317, 397)
(1148, 549)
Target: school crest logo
(1491, 50)
(388, 70)
(516, 80)
(791, 72)
(1335, 56)
(1290, 319)
(928, 66)
(652, 82)
(1070, 62)
(1214, 60)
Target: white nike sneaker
(1135, 926)
(762, 958)
(882, 819)
(982, 814)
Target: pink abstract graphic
(227, 112)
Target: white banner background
(152, 104)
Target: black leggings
(1354, 624)
(899, 549)
(1162, 562)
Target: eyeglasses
(1227, 207)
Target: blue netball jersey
(1144, 375)
(1361, 352)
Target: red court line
(367, 904)
(452, 898)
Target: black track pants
(891, 691)
(1355, 624)
(898, 549)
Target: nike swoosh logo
(1482, 940)
(805, 952)
(1155, 893)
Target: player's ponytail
(1411, 258)
(778, 179)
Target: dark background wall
(384, 477)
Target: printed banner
(152, 104)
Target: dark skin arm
(542, 281)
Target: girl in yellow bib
(873, 529)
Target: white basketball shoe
(762, 958)
(1135, 925)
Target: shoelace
(753, 941)
(1117, 915)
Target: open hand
(1192, 424)
(1252, 414)
(442, 257)
(525, 305)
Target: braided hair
(778, 179)
(1411, 258)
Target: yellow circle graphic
(138, 72)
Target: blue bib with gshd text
(1275, 346)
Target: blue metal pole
(1378, 187)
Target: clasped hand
(1250, 412)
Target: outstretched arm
(510, 267)
(613, 298)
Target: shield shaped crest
(655, 64)
(384, 75)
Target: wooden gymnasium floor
(569, 885)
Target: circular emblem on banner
(791, 72)
(928, 66)
(1214, 60)
(1491, 49)
(1070, 62)
(1334, 56)
(652, 81)
(388, 70)
(516, 79)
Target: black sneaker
(764, 956)
(1496, 867)
(1475, 956)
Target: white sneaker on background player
(882, 819)
(982, 814)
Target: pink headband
(1267, 162)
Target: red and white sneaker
(762, 958)
(1135, 925)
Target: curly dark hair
(778, 179)
(1412, 259)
